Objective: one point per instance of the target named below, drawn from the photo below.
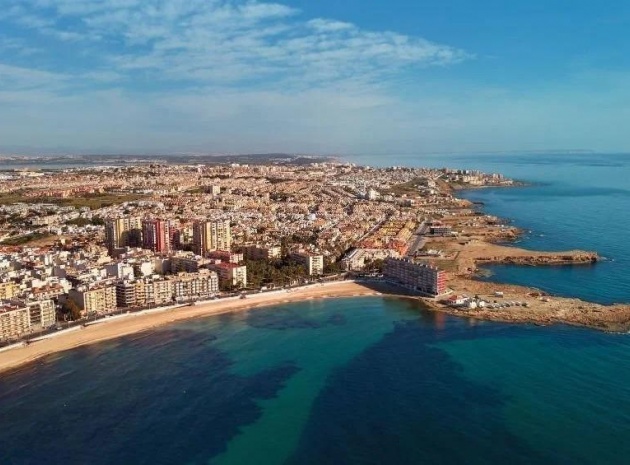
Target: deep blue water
(576, 201)
(350, 381)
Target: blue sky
(325, 76)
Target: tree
(374, 265)
(332, 266)
(71, 310)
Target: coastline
(541, 309)
(14, 357)
(556, 310)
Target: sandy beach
(548, 311)
(11, 358)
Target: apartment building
(100, 298)
(356, 259)
(230, 274)
(314, 263)
(417, 276)
(50, 291)
(226, 256)
(17, 317)
(134, 293)
(42, 314)
(258, 252)
(186, 286)
(156, 235)
(122, 232)
(187, 263)
(211, 235)
(437, 228)
(14, 321)
(8, 290)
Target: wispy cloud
(227, 42)
(199, 74)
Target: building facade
(226, 256)
(8, 290)
(14, 321)
(230, 274)
(156, 236)
(141, 292)
(417, 276)
(122, 232)
(42, 314)
(187, 262)
(97, 299)
(190, 286)
(18, 318)
(211, 235)
(258, 252)
(314, 263)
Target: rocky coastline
(465, 258)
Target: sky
(316, 76)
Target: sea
(364, 380)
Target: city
(81, 243)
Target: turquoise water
(351, 381)
(577, 201)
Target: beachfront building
(211, 235)
(230, 274)
(42, 314)
(420, 277)
(187, 286)
(314, 263)
(14, 321)
(18, 318)
(99, 298)
(141, 292)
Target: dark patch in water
(165, 398)
(282, 319)
(337, 319)
(403, 401)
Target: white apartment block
(314, 263)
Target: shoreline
(557, 310)
(542, 309)
(14, 357)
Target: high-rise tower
(122, 232)
(156, 235)
(211, 235)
